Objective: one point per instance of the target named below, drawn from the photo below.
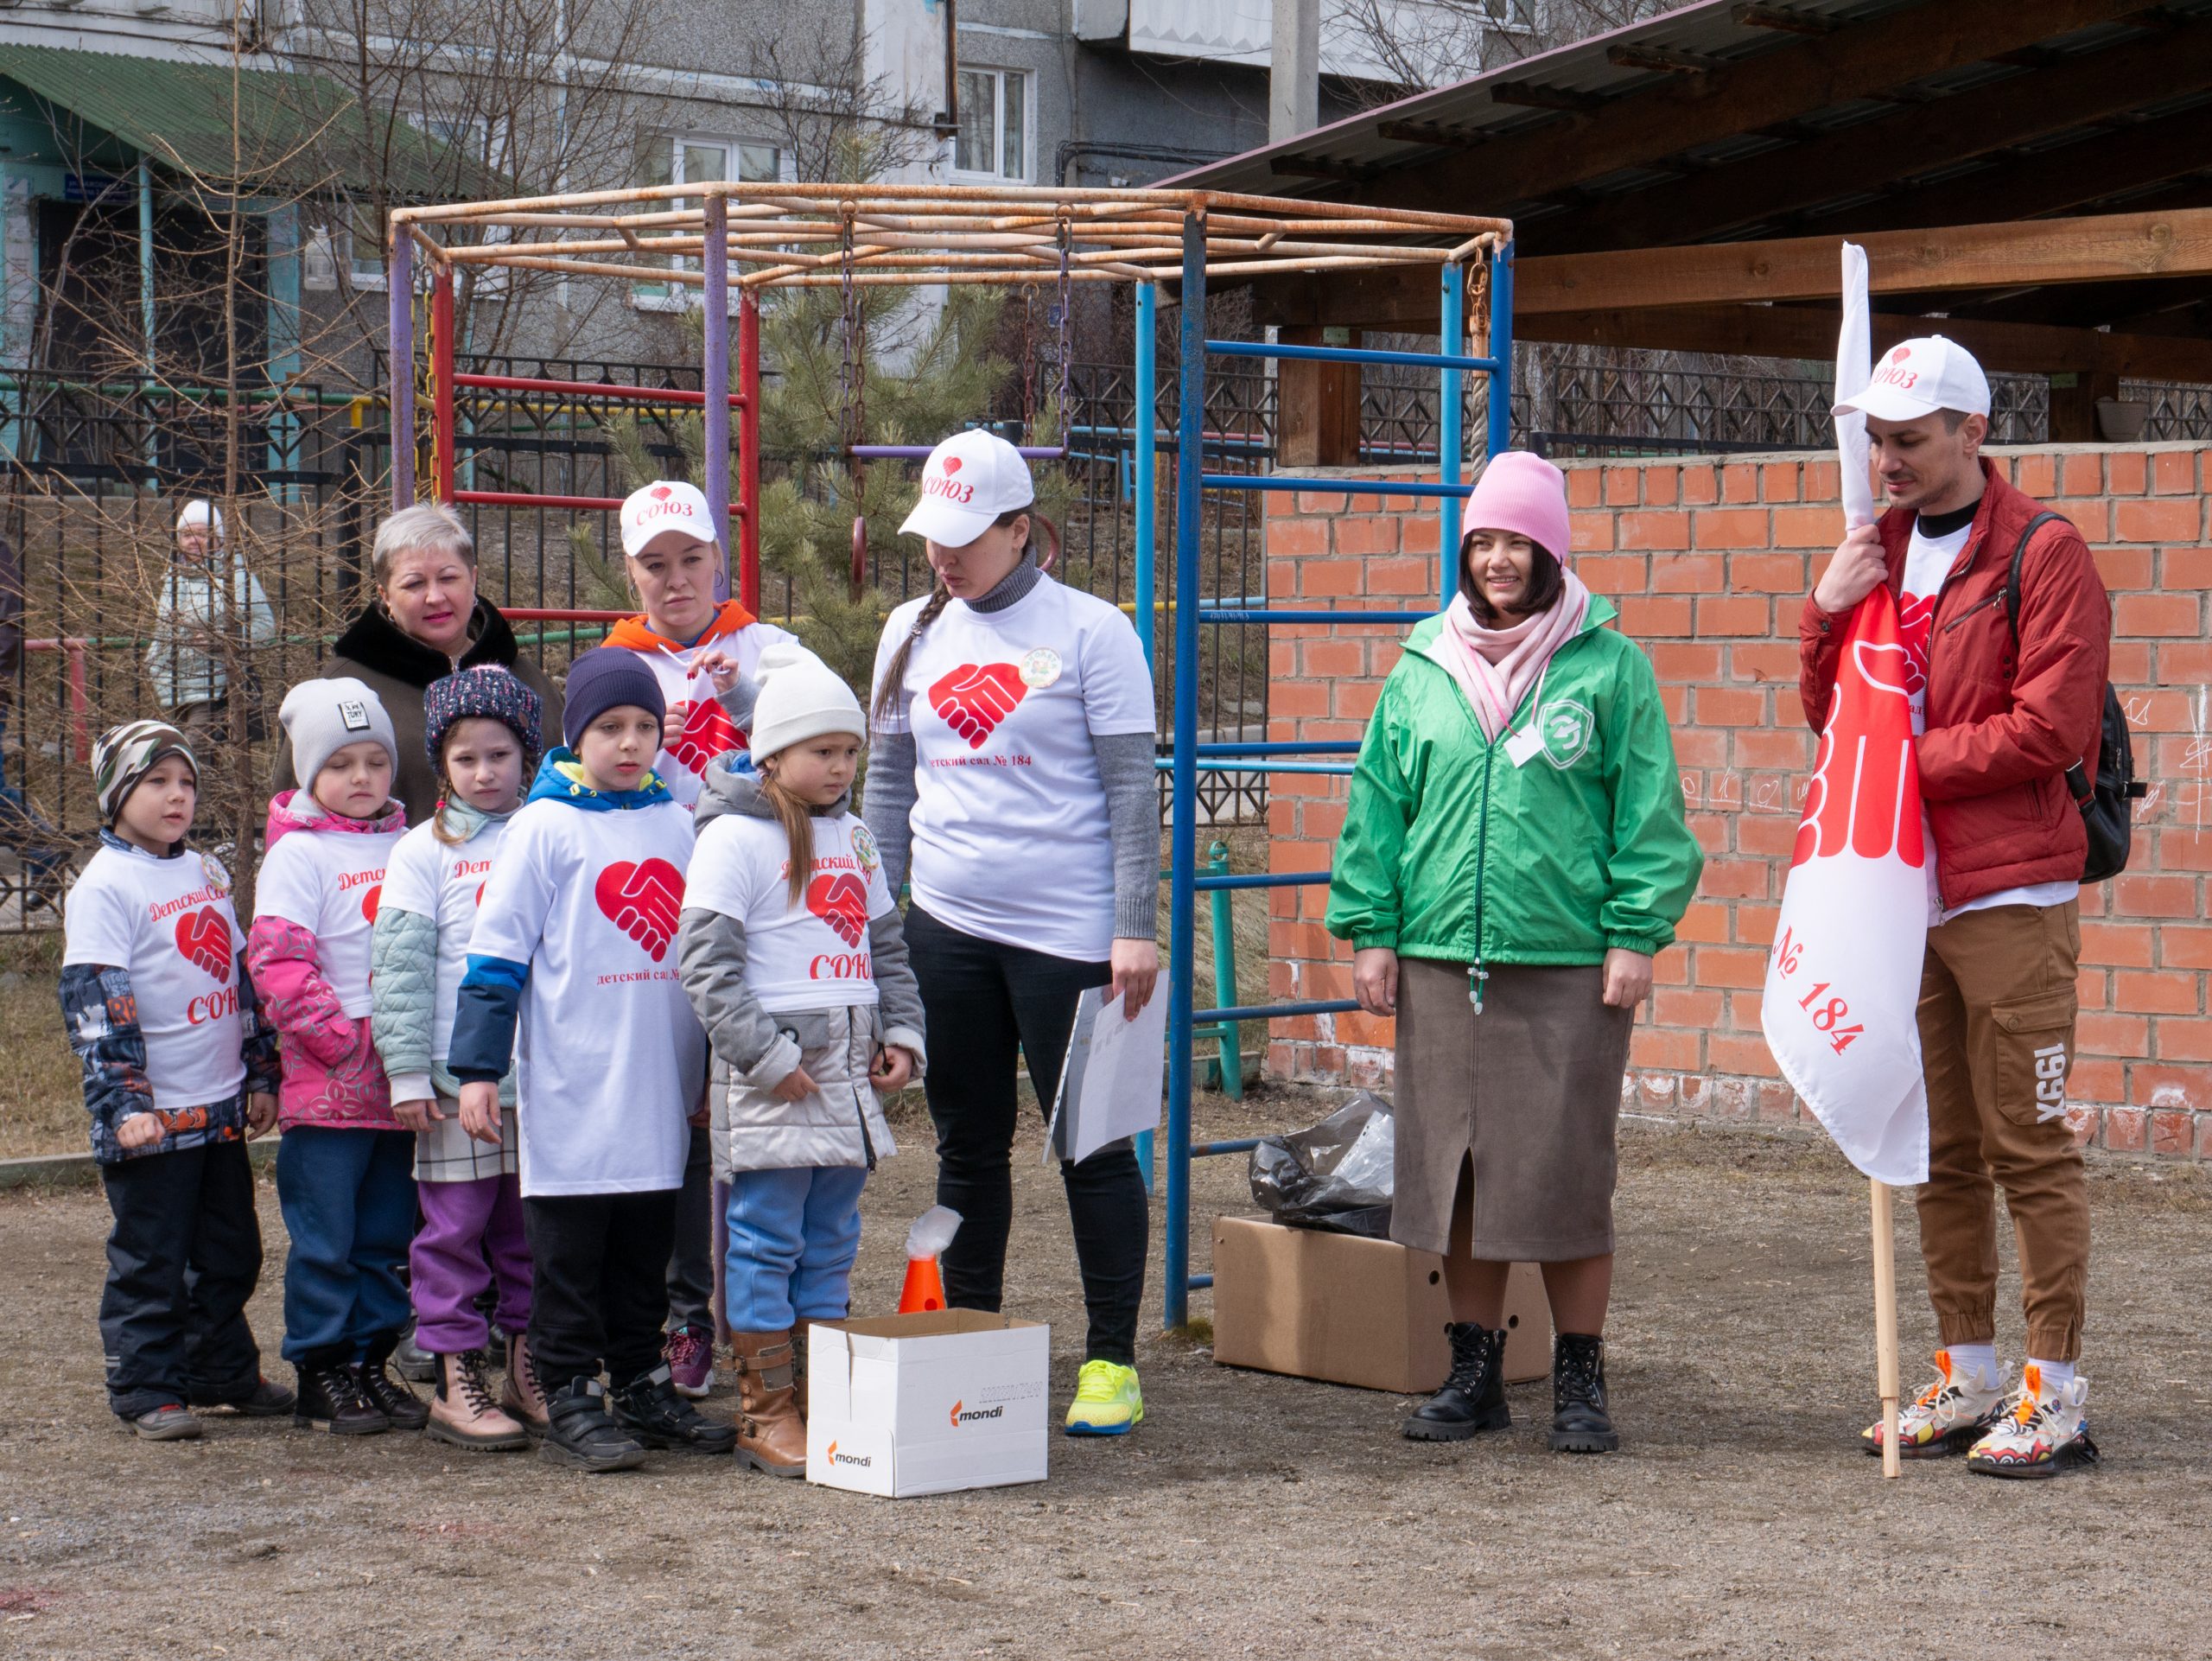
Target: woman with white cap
(1514, 855)
(1013, 760)
(205, 620)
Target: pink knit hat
(1522, 492)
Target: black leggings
(983, 1000)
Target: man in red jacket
(2001, 717)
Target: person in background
(210, 617)
(1514, 855)
(2003, 712)
(1012, 755)
(179, 1072)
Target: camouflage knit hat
(492, 693)
(127, 754)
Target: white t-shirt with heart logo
(1011, 837)
(330, 882)
(811, 956)
(169, 923)
(707, 730)
(443, 883)
(609, 1059)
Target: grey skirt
(1529, 1091)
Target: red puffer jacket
(2004, 723)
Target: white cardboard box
(926, 1404)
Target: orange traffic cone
(924, 1288)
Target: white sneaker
(2044, 1429)
(1950, 1414)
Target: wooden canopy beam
(1857, 60)
(2032, 104)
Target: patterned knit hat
(127, 754)
(492, 693)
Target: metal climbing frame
(1190, 757)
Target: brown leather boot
(520, 1395)
(462, 1411)
(770, 1435)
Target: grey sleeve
(710, 960)
(1133, 820)
(887, 807)
(738, 701)
(898, 995)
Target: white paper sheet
(1114, 1081)
(1854, 368)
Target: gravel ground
(1250, 1515)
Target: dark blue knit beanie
(603, 678)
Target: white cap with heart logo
(1917, 378)
(969, 481)
(665, 505)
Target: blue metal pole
(1500, 437)
(713, 264)
(1189, 435)
(1143, 461)
(1231, 1065)
(146, 304)
(1451, 412)
(399, 282)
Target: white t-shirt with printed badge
(330, 882)
(707, 730)
(1010, 836)
(811, 956)
(445, 884)
(169, 924)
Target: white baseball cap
(1917, 378)
(665, 505)
(969, 481)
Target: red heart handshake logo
(707, 732)
(204, 939)
(974, 698)
(840, 900)
(644, 901)
(369, 898)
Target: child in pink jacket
(345, 1169)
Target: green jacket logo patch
(1565, 727)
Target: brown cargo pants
(1997, 1007)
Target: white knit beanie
(801, 697)
(322, 717)
(200, 511)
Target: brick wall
(1709, 562)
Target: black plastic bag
(1338, 1174)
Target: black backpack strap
(2012, 577)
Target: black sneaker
(1580, 1423)
(579, 1435)
(330, 1397)
(650, 1410)
(263, 1401)
(406, 1410)
(1473, 1395)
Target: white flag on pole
(1843, 983)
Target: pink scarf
(1496, 667)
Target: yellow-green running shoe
(1107, 1401)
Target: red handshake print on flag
(975, 698)
(707, 732)
(644, 901)
(840, 900)
(1865, 795)
(204, 941)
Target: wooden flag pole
(1885, 1326)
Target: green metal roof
(296, 132)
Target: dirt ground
(1251, 1514)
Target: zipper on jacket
(1476, 973)
(860, 1103)
(1978, 606)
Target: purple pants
(472, 1235)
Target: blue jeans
(794, 1234)
(348, 1200)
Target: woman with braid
(1012, 759)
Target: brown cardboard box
(1352, 1311)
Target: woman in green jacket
(1514, 855)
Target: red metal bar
(80, 704)
(442, 384)
(525, 498)
(747, 400)
(560, 615)
(592, 389)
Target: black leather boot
(330, 1395)
(406, 1410)
(1473, 1395)
(650, 1410)
(579, 1435)
(1580, 1423)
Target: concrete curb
(83, 1171)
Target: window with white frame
(993, 142)
(693, 159)
(484, 142)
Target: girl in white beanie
(794, 956)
